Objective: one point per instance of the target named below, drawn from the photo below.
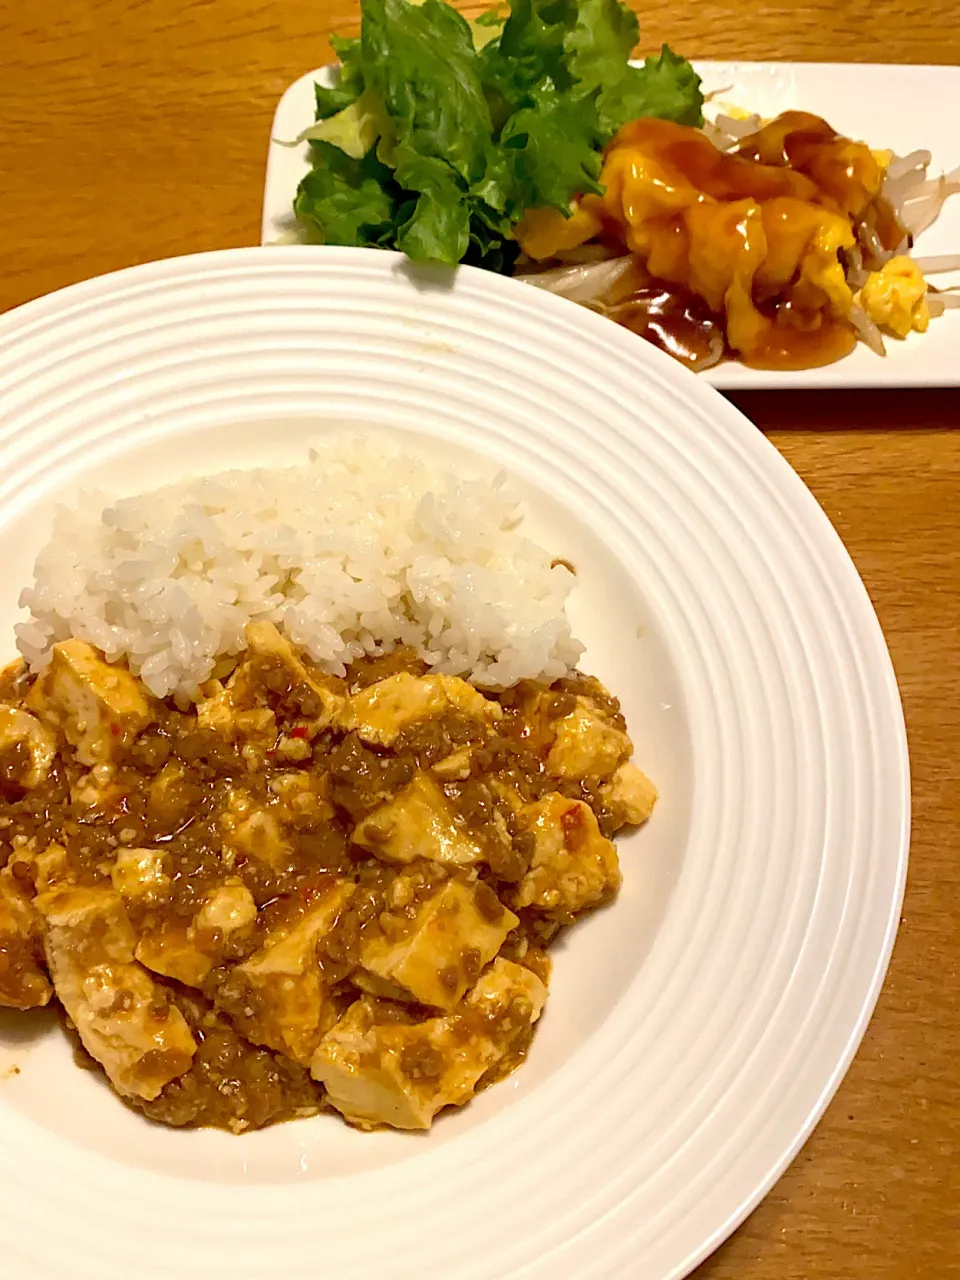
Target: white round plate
(697, 1028)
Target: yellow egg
(895, 297)
(733, 112)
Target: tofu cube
(452, 937)
(185, 952)
(506, 1001)
(300, 797)
(251, 832)
(23, 979)
(262, 829)
(139, 875)
(279, 997)
(171, 952)
(123, 1017)
(371, 985)
(380, 713)
(255, 728)
(573, 866)
(50, 868)
(269, 650)
(226, 909)
(99, 708)
(269, 682)
(385, 1073)
(97, 790)
(586, 744)
(454, 767)
(630, 795)
(27, 749)
(417, 823)
(379, 1069)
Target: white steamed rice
(359, 550)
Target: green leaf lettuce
(441, 133)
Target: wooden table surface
(137, 129)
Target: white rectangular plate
(896, 107)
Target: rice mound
(359, 550)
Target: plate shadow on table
(912, 409)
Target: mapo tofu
(306, 892)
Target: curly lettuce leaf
(354, 130)
(421, 61)
(437, 230)
(550, 150)
(438, 226)
(583, 48)
(492, 245)
(331, 100)
(349, 86)
(599, 44)
(666, 87)
(441, 133)
(347, 201)
(528, 52)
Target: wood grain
(136, 129)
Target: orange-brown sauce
(750, 241)
(843, 173)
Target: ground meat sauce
(231, 832)
(231, 1084)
